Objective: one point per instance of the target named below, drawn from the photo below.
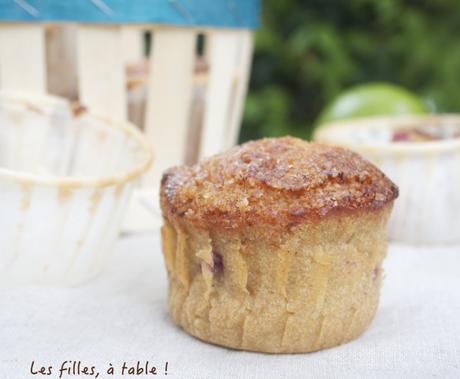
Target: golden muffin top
(273, 182)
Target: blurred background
(315, 61)
(308, 52)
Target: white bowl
(65, 180)
(427, 173)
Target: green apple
(372, 99)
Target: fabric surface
(121, 317)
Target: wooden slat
(22, 58)
(222, 54)
(132, 44)
(101, 70)
(61, 55)
(240, 87)
(170, 89)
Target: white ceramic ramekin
(427, 173)
(65, 179)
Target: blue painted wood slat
(219, 13)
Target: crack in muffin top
(273, 182)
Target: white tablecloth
(121, 317)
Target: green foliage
(308, 51)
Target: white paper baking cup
(427, 173)
(65, 180)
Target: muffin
(276, 245)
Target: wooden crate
(81, 48)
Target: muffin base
(313, 287)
